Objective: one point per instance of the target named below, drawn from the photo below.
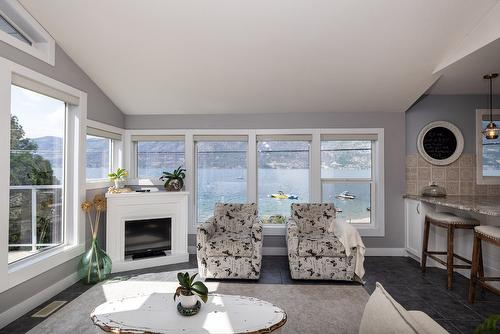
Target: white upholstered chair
(229, 244)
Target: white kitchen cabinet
(414, 220)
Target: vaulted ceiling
(227, 56)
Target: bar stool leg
(476, 250)
(425, 245)
(449, 262)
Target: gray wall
(99, 108)
(458, 109)
(393, 123)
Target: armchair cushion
(230, 244)
(232, 217)
(320, 244)
(313, 216)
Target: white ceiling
(227, 56)
(466, 75)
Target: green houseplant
(174, 181)
(188, 289)
(119, 177)
(489, 326)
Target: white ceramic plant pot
(119, 184)
(188, 301)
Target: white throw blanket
(350, 238)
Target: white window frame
(74, 220)
(42, 44)
(195, 160)
(280, 229)
(116, 153)
(376, 226)
(134, 163)
(480, 114)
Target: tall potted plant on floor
(95, 265)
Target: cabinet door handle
(418, 208)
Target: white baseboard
(386, 252)
(27, 305)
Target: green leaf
(199, 287)
(489, 326)
(182, 280)
(192, 277)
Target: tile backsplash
(459, 178)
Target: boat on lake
(345, 195)
(282, 195)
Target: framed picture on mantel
(440, 143)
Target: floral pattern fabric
(313, 217)
(235, 217)
(313, 251)
(230, 243)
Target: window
(99, 157)
(491, 155)
(158, 154)
(20, 30)
(347, 177)
(283, 175)
(8, 28)
(221, 172)
(37, 164)
(488, 151)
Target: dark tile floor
(401, 277)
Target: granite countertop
(486, 205)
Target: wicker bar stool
(450, 222)
(489, 234)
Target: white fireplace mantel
(136, 205)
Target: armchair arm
(292, 237)
(204, 232)
(257, 233)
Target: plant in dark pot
(174, 181)
(187, 291)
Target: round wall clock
(440, 143)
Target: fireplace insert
(148, 237)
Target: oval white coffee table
(157, 313)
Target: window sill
(35, 265)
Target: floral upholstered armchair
(314, 251)
(229, 244)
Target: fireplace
(148, 237)
(141, 223)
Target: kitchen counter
(486, 205)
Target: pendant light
(491, 130)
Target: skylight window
(9, 28)
(20, 30)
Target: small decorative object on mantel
(433, 190)
(95, 264)
(174, 181)
(187, 292)
(114, 190)
(119, 177)
(440, 143)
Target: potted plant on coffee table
(187, 291)
(174, 181)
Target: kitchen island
(484, 208)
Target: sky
(38, 114)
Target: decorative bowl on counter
(433, 190)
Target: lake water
(229, 185)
